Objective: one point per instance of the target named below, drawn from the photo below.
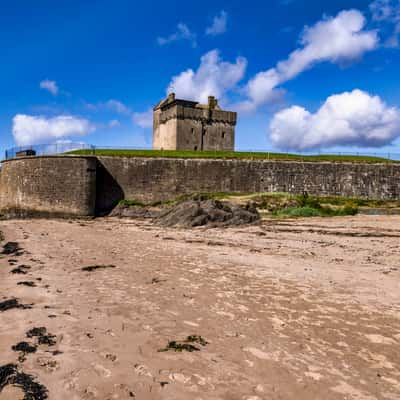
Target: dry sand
(304, 309)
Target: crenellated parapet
(198, 114)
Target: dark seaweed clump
(21, 269)
(24, 347)
(36, 332)
(49, 340)
(12, 248)
(43, 336)
(27, 283)
(9, 375)
(197, 339)
(185, 345)
(92, 268)
(12, 303)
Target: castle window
(195, 148)
(192, 131)
(223, 135)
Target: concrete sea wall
(153, 179)
(65, 185)
(48, 186)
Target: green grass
(311, 206)
(308, 211)
(270, 201)
(276, 205)
(126, 202)
(230, 155)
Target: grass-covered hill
(231, 155)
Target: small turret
(212, 102)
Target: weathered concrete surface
(49, 186)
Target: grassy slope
(229, 155)
(284, 205)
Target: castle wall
(219, 136)
(180, 127)
(165, 137)
(189, 134)
(93, 185)
(54, 186)
(151, 179)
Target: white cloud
(381, 10)
(117, 106)
(218, 25)
(29, 129)
(388, 12)
(349, 118)
(50, 86)
(143, 119)
(213, 78)
(335, 39)
(182, 33)
(112, 105)
(114, 123)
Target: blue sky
(91, 70)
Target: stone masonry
(87, 186)
(188, 125)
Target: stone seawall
(84, 186)
(48, 186)
(153, 179)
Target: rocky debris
(48, 363)
(212, 213)
(12, 248)
(92, 268)
(129, 211)
(12, 303)
(10, 375)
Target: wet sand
(300, 309)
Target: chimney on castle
(212, 102)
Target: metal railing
(46, 149)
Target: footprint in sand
(257, 353)
(102, 371)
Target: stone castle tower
(188, 125)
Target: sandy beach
(291, 309)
